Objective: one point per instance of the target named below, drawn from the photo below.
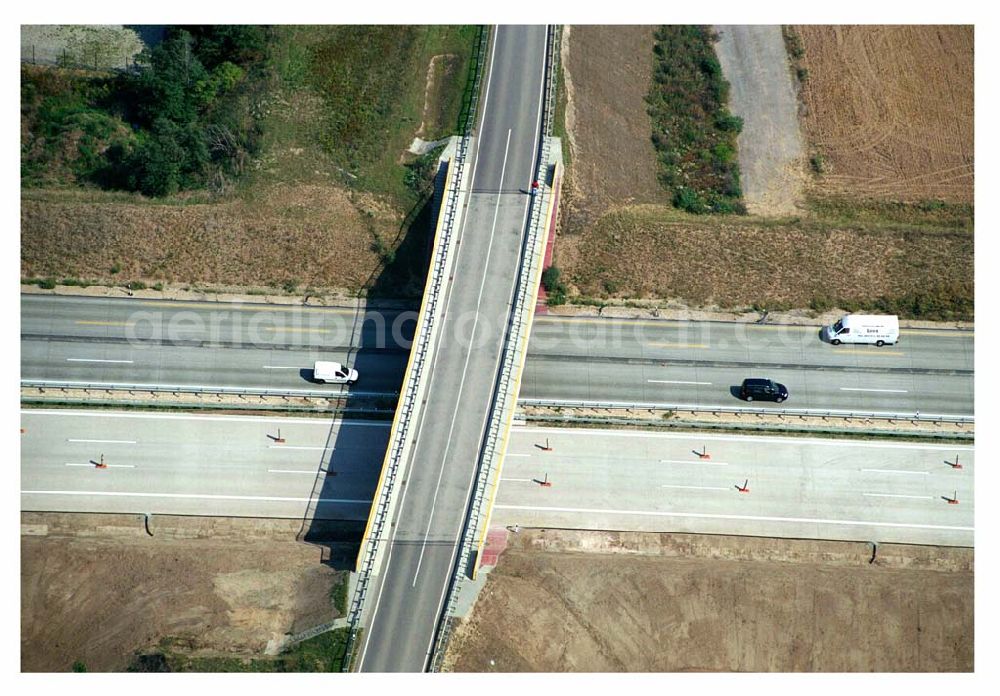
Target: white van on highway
(334, 373)
(880, 329)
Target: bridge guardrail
(425, 335)
(518, 328)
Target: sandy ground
(608, 602)
(890, 109)
(771, 153)
(97, 588)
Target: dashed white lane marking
(109, 442)
(297, 447)
(886, 391)
(693, 461)
(745, 518)
(109, 466)
(898, 495)
(698, 488)
(898, 471)
(672, 381)
(295, 471)
(98, 360)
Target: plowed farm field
(890, 110)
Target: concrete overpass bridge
(460, 387)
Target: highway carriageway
(131, 341)
(600, 479)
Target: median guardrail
(43, 384)
(749, 410)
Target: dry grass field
(308, 233)
(568, 601)
(607, 72)
(734, 262)
(890, 110)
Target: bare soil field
(97, 588)
(607, 72)
(311, 234)
(561, 600)
(890, 110)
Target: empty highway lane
(216, 465)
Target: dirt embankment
(889, 110)
(96, 588)
(586, 601)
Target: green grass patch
(324, 653)
(559, 116)
(693, 132)
(338, 594)
(931, 215)
(358, 93)
(554, 286)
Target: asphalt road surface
(699, 363)
(612, 479)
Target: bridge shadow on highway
(350, 466)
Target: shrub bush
(693, 131)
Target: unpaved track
(770, 146)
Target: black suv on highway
(763, 389)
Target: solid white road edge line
(200, 496)
(747, 518)
(748, 439)
(323, 422)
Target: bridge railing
(515, 348)
(407, 410)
